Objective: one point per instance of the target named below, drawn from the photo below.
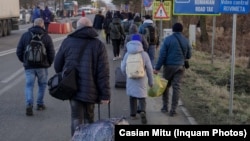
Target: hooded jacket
(138, 87)
(25, 40)
(134, 30)
(93, 67)
(116, 29)
(142, 30)
(146, 23)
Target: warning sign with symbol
(162, 11)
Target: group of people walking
(93, 68)
(174, 50)
(45, 14)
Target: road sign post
(233, 7)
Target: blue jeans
(31, 74)
(151, 53)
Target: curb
(191, 120)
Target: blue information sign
(196, 7)
(234, 6)
(147, 3)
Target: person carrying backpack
(39, 68)
(127, 22)
(117, 35)
(150, 32)
(136, 86)
(137, 19)
(133, 30)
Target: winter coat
(106, 23)
(142, 30)
(138, 87)
(145, 24)
(137, 19)
(94, 84)
(36, 13)
(116, 29)
(47, 15)
(98, 21)
(171, 53)
(25, 40)
(132, 31)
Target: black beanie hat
(177, 27)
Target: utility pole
(161, 27)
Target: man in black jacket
(98, 22)
(32, 71)
(93, 71)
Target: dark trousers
(174, 75)
(81, 112)
(107, 38)
(116, 47)
(133, 105)
(46, 27)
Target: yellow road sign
(162, 11)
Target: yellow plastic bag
(159, 86)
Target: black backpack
(35, 53)
(126, 26)
(150, 34)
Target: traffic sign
(233, 6)
(147, 3)
(196, 7)
(161, 12)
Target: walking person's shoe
(133, 117)
(40, 107)
(143, 118)
(164, 109)
(172, 113)
(29, 110)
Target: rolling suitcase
(120, 78)
(101, 130)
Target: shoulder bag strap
(180, 46)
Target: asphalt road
(53, 124)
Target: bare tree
(204, 35)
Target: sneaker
(164, 109)
(143, 118)
(40, 107)
(138, 111)
(172, 113)
(133, 117)
(29, 111)
(115, 58)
